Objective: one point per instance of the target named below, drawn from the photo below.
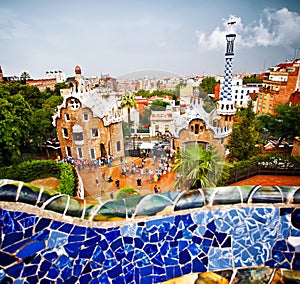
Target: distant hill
(154, 74)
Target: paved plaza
(166, 183)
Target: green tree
(24, 76)
(159, 105)
(145, 117)
(208, 84)
(53, 102)
(251, 79)
(15, 126)
(199, 168)
(59, 86)
(285, 123)
(244, 136)
(177, 89)
(128, 101)
(143, 93)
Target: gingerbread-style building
(89, 125)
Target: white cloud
(274, 28)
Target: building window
(74, 104)
(95, 133)
(67, 117)
(65, 133)
(92, 154)
(156, 127)
(78, 135)
(196, 128)
(260, 96)
(236, 91)
(201, 129)
(68, 151)
(242, 91)
(118, 146)
(79, 153)
(85, 116)
(192, 128)
(235, 97)
(166, 128)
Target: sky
(117, 37)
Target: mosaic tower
(226, 103)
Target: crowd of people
(147, 169)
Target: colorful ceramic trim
(157, 240)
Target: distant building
(281, 84)
(89, 125)
(108, 83)
(42, 84)
(58, 75)
(162, 122)
(240, 92)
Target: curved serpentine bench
(49, 237)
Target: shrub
(126, 192)
(37, 169)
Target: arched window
(78, 135)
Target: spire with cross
(226, 104)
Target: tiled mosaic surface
(35, 249)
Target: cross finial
(231, 21)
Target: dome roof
(77, 70)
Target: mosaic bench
(47, 237)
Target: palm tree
(199, 167)
(24, 76)
(128, 101)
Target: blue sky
(118, 37)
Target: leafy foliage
(32, 170)
(127, 192)
(67, 180)
(15, 126)
(25, 119)
(244, 137)
(198, 167)
(284, 124)
(256, 163)
(252, 79)
(158, 105)
(208, 84)
(128, 101)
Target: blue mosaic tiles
(154, 248)
(149, 251)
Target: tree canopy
(244, 136)
(252, 79)
(285, 123)
(128, 101)
(25, 119)
(198, 167)
(208, 84)
(159, 105)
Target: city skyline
(121, 37)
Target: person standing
(139, 182)
(155, 189)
